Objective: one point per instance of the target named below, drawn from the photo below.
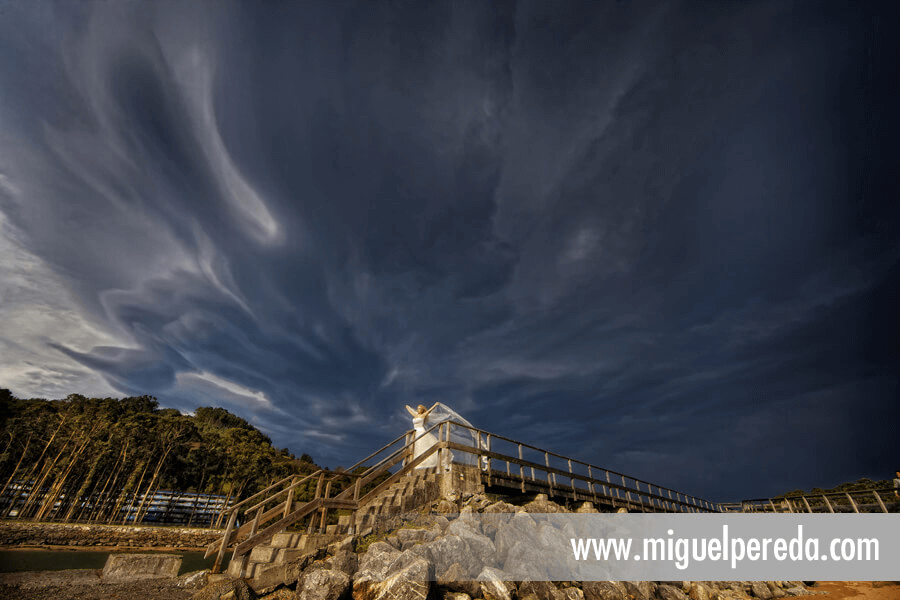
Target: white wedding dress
(423, 442)
(458, 434)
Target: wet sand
(859, 590)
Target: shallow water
(58, 560)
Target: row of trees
(104, 459)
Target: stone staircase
(411, 493)
(269, 564)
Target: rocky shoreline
(408, 561)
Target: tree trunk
(45, 472)
(100, 511)
(91, 498)
(197, 499)
(56, 488)
(15, 470)
(44, 451)
(137, 490)
(83, 489)
(156, 473)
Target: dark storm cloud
(644, 234)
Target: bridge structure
(272, 527)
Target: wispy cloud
(642, 235)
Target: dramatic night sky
(662, 238)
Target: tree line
(104, 459)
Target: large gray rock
(604, 590)
(293, 570)
(572, 593)
(347, 562)
(519, 529)
(668, 592)
(411, 537)
(378, 558)
(541, 504)
(412, 582)
(641, 590)
(539, 590)
(477, 502)
(701, 591)
(456, 579)
(495, 584)
(450, 550)
(232, 589)
(322, 584)
(479, 554)
(526, 560)
(760, 590)
(500, 507)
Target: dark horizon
(658, 237)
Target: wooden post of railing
(880, 503)
(591, 485)
(440, 452)
(490, 467)
(627, 491)
(572, 481)
(312, 518)
(521, 469)
(254, 527)
(225, 541)
(828, 504)
(549, 482)
(808, 507)
(406, 443)
(324, 511)
(290, 500)
(852, 502)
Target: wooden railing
(855, 501)
(501, 462)
(530, 467)
(285, 513)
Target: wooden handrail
(271, 487)
(697, 502)
(350, 498)
(547, 453)
(826, 500)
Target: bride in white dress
(424, 418)
(424, 441)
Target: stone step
(263, 553)
(285, 540)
